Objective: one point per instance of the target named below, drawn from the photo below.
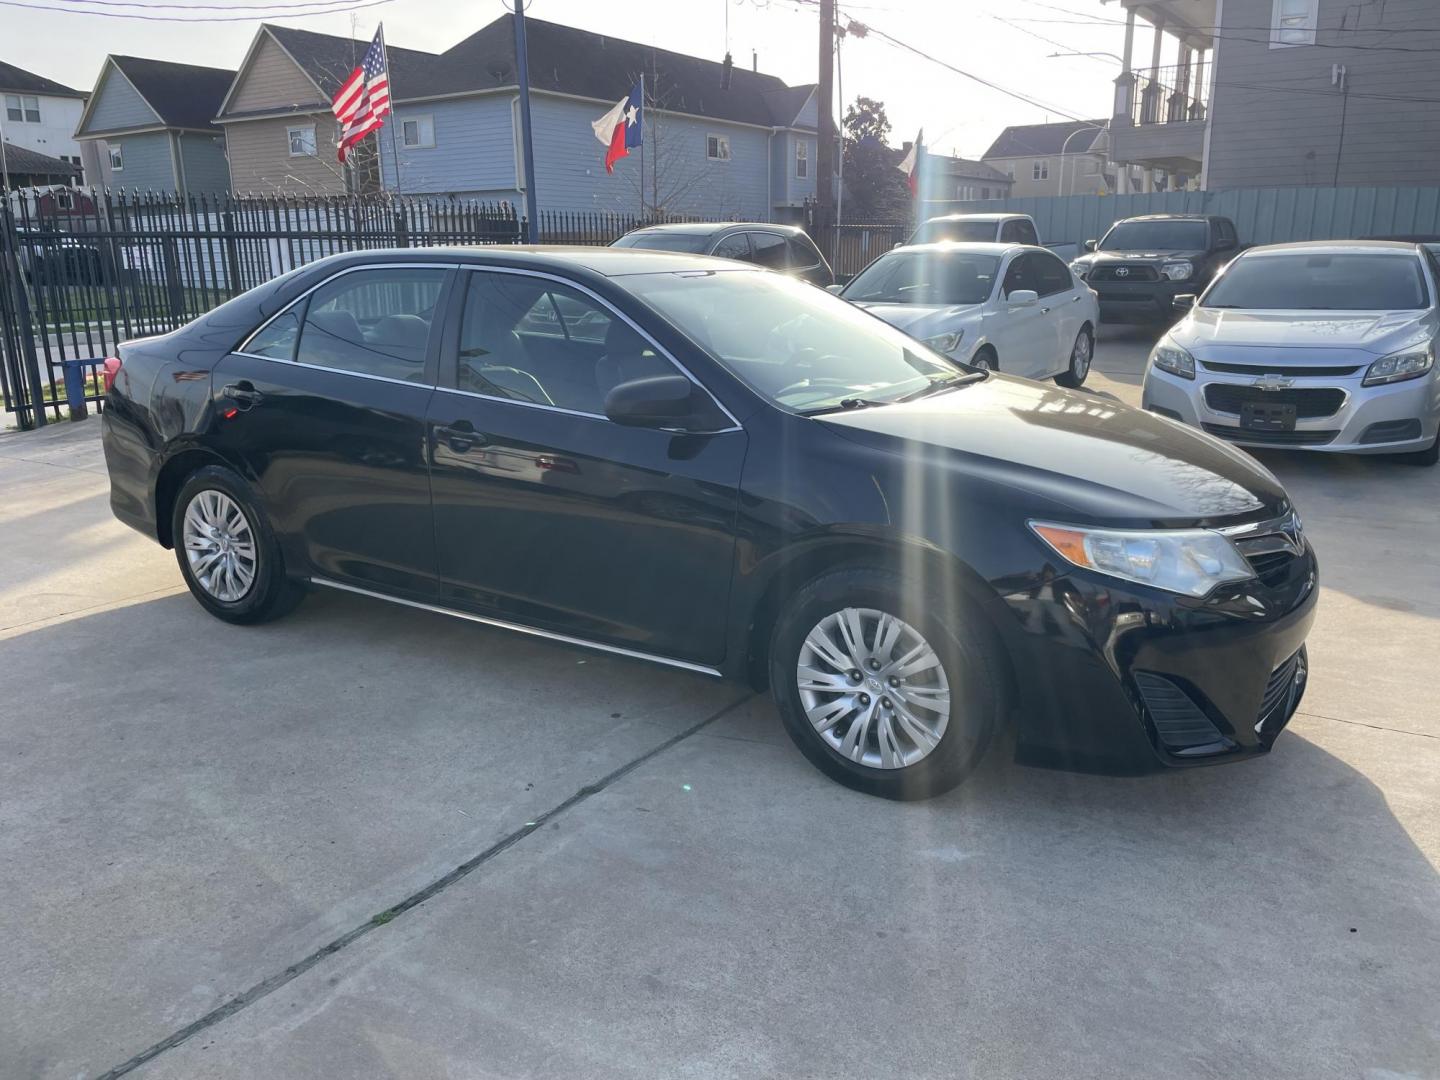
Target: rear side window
(769, 250)
(277, 341)
(1020, 231)
(734, 246)
(1049, 274)
(373, 322)
(665, 241)
(803, 253)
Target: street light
(1111, 55)
(1060, 188)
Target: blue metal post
(522, 63)
(75, 387)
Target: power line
(269, 12)
(145, 4)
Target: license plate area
(1264, 416)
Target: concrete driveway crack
(268, 986)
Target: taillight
(112, 369)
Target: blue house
(747, 151)
(149, 126)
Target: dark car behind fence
(77, 281)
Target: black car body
(786, 248)
(684, 519)
(1142, 263)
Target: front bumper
(1132, 679)
(1141, 301)
(1397, 418)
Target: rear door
(550, 515)
(1024, 337)
(325, 407)
(1060, 303)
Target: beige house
(1054, 159)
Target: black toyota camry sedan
(728, 471)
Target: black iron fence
(854, 246)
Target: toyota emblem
(1124, 271)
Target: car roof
(1335, 247)
(1173, 217)
(974, 247)
(605, 261)
(975, 217)
(705, 228)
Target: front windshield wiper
(946, 382)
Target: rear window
(934, 232)
(1157, 236)
(1321, 282)
(694, 243)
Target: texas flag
(914, 161)
(621, 127)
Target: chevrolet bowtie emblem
(1271, 381)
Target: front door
(549, 514)
(1025, 335)
(326, 407)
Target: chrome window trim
(426, 385)
(320, 285)
(578, 287)
(521, 628)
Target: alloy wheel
(1080, 356)
(873, 688)
(220, 546)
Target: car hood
(1102, 461)
(922, 320)
(1370, 331)
(1141, 255)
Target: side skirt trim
(518, 628)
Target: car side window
(1225, 232)
(1025, 233)
(734, 246)
(277, 341)
(1018, 275)
(802, 254)
(1050, 274)
(373, 322)
(570, 358)
(769, 250)
(1010, 233)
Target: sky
(998, 40)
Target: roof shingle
(15, 80)
(182, 95)
(20, 161)
(1021, 140)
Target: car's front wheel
(227, 551)
(876, 692)
(1081, 353)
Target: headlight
(1187, 561)
(1399, 367)
(1175, 360)
(945, 342)
(1177, 271)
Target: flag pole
(644, 117)
(527, 144)
(394, 143)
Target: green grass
(94, 387)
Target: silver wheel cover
(220, 546)
(1080, 355)
(873, 688)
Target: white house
(40, 114)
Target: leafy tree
(875, 189)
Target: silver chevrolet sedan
(1327, 345)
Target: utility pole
(522, 70)
(825, 133)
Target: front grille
(1133, 272)
(1278, 369)
(1272, 438)
(1310, 403)
(1271, 567)
(1282, 694)
(1178, 721)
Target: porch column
(1125, 82)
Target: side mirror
(656, 402)
(834, 289)
(1023, 298)
(1183, 301)
(1089, 245)
(899, 245)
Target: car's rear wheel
(227, 551)
(1081, 353)
(876, 692)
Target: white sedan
(1009, 307)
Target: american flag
(364, 101)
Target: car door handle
(243, 394)
(460, 436)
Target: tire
(1429, 456)
(854, 755)
(985, 359)
(1082, 353)
(256, 588)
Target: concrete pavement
(607, 869)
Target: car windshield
(665, 241)
(1156, 236)
(1356, 281)
(933, 232)
(796, 345)
(926, 277)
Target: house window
(802, 159)
(717, 147)
(418, 133)
(302, 140)
(1040, 170)
(117, 159)
(22, 109)
(63, 201)
(1292, 22)
(984, 193)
